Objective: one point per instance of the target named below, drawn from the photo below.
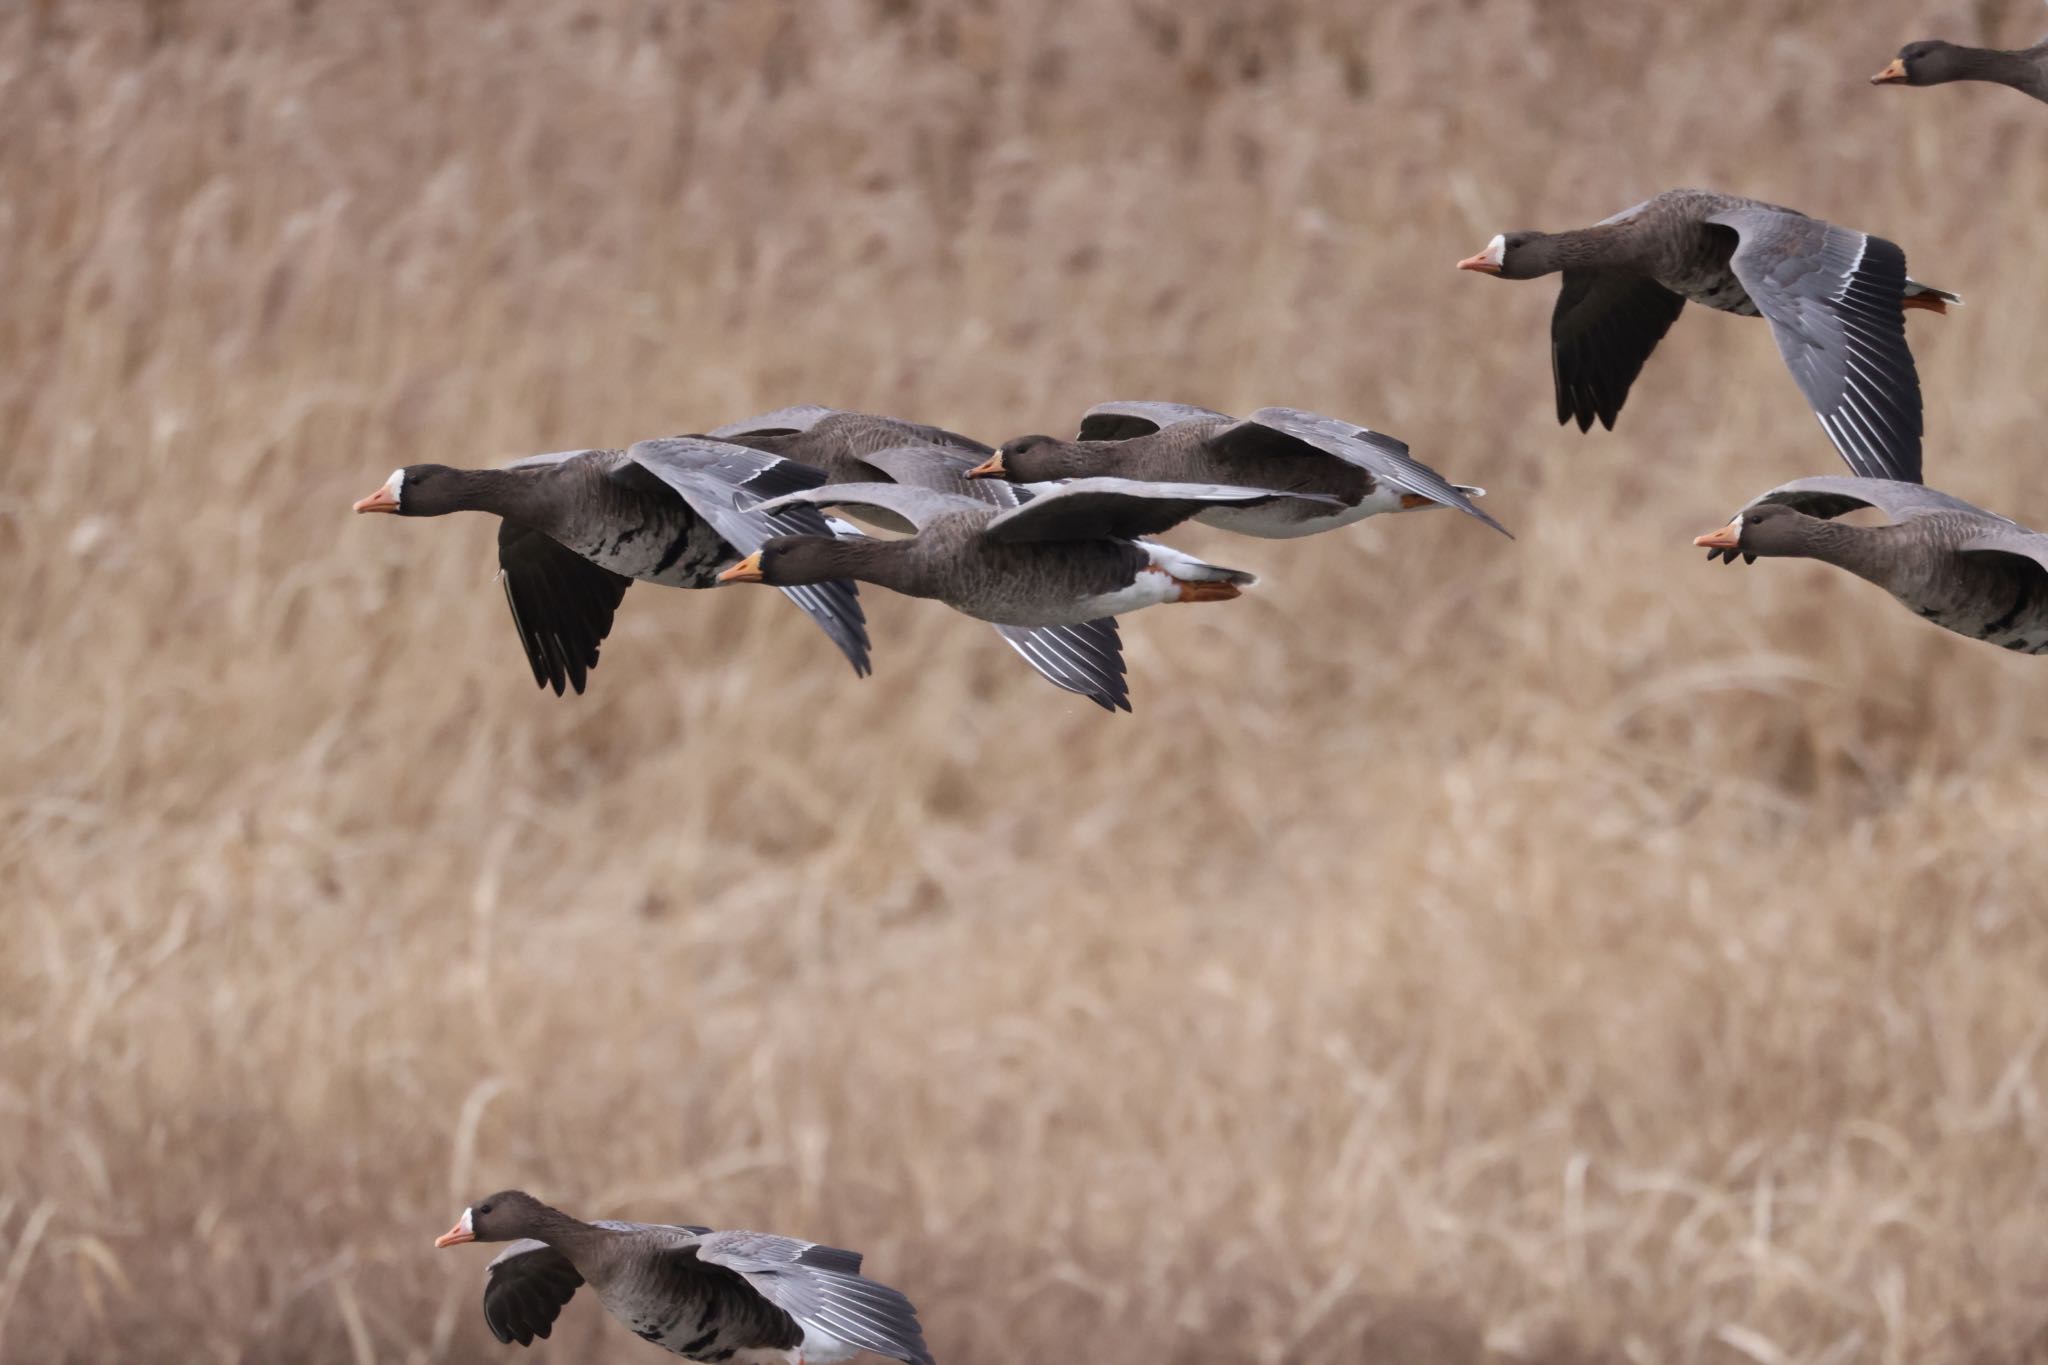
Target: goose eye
(483, 1208)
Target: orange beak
(748, 570)
(379, 501)
(1727, 538)
(991, 468)
(454, 1237)
(1895, 74)
(1480, 264)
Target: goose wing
(1835, 302)
(1122, 419)
(730, 487)
(1379, 455)
(943, 469)
(1123, 509)
(1088, 658)
(814, 1285)
(562, 604)
(1830, 495)
(1603, 328)
(525, 1288)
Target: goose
(1087, 658)
(1362, 471)
(853, 447)
(1957, 565)
(1933, 62)
(1069, 555)
(578, 526)
(746, 1298)
(1833, 297)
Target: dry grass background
(1557, 951)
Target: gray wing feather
(1087, 658)
(1834, 299)
(556, 457)
(731, 487)
(789, 1274)
(798, 417)
(1122, 419)
(1375, 452)
(918, 506)
(1092, 509)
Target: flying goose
(1086, 658)
(1933, 62)
(747, 1298)
(858, 447)
(1069, 555)
(1361, 471)
(1833, 297)
(579, 525)
(1964, 569)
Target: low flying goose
(1087, 658)
(743, 1298)
(1068, 556)
(1361, 472)
(1959, 566)
(1933, 62)
(578, 526)
(1834, 298)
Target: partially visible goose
(1360, 472)
(747, 1298)
(1833, 297)
(580, 525)
(1933, 62)
(1068, 556)
(843, 443)
(1959, 566)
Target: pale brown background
(1556, 951)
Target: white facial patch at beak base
(1496, 251)
(395, 485)
(468, 1223)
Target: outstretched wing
(562, 604)
(1088, 658)
(525, 1287)
(1604, 327)
(730, 486)
(1120, 420)
(917, 506)
(807, 1282)
(1835, 301)
(1379, 455)
(1091, 509)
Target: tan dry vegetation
(1557, 951)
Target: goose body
(721, 1298)
(1350, 471)
(1065, 561)
(577, 527)
(1834, 298)
(1964, 569)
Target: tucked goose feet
(1206, 590)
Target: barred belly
(1713, 287)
